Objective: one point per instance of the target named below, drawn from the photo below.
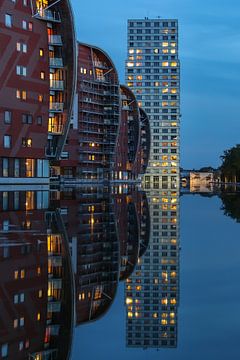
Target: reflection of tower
(35, 285)
(152, 292)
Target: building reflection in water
(65, 252)
(36, 302)
(88, 216)
(107, 229)
(152, 292)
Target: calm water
(89, 273)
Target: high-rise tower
(152, 73)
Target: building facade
(37, 72)
(152, 73)
(91, 144)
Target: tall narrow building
(152, 73)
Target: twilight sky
(210, 57)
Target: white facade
(153, 74)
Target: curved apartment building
(37, 72)
(92, 138)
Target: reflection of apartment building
(35, 282)
(89, 220)
(152, 292)
(152, 73)
(37, 71)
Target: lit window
(42, 75)
(40, 98)
(131, 51)
(26, 142)
(130, 64)
(165, 63)
(38, 316)
(165, 51)
(165, 44)
(173, 51)
(41, 52)
(156, 51)
(173, 63)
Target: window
(21, 70)
(41, 52)
(39, 120)
(24, 25)
(7, 139)
(5, 167)
(27, 119)
(42, 75)
(40, 98)
(26, 142)
(21, 47)
(8, 20)
(21, 94)
(4, 350)
(7, 117)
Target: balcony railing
(56, 62)
(55, 129)
(56, 84)
(56, 106)
(48, 15)
(55, 40)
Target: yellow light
(165, 44)
(130, 64)
(129, 301)
(130, 314)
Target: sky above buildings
(209, 45)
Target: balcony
(56, 106)
(56, 62)
(48, 15)
(100, 65)
(56, 84)
(55, 129)
(50, 151)
(55, 40)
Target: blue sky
(210, 56)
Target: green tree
(230, 167)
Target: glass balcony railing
(49, 15)
(56, 84)
(56, 106)
(56, 62)
(55, 40)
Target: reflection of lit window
(129, 301)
